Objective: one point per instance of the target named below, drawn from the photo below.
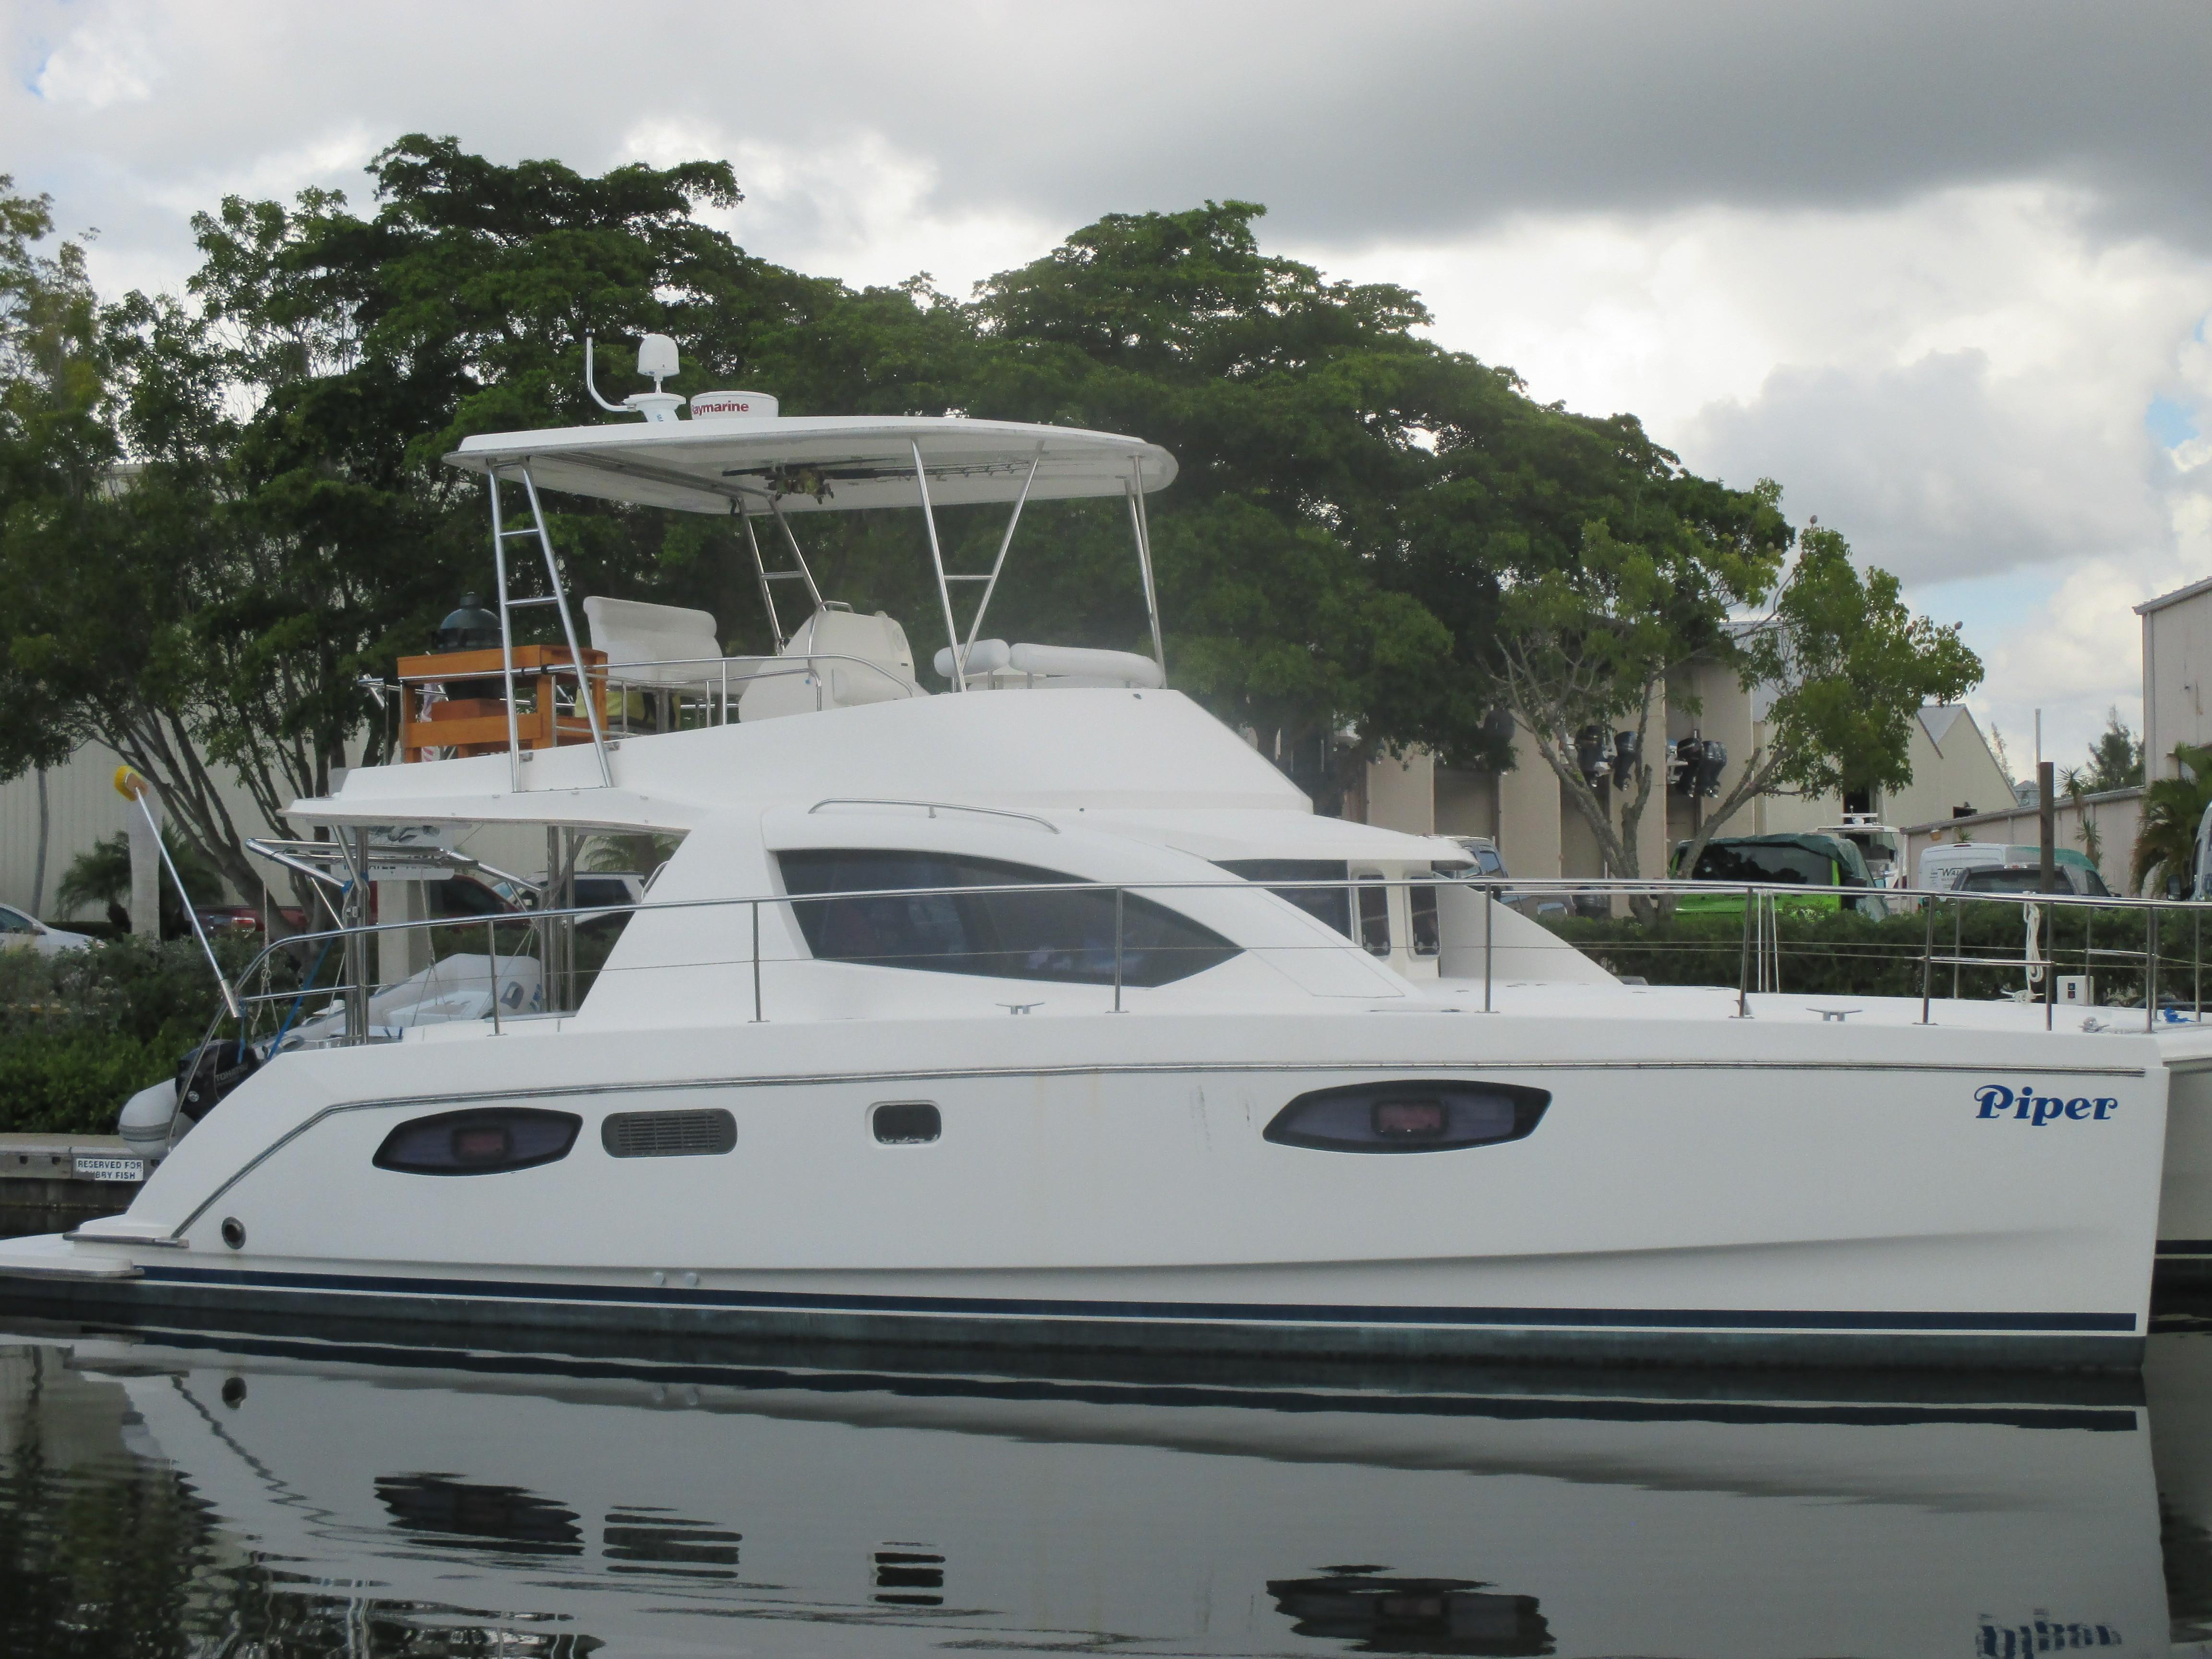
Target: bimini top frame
(748, 466)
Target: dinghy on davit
(1043, 1011)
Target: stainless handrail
(1757, 897)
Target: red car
(244, 918)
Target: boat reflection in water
(448, 1501)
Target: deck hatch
(669, 1134)
(1409, 1116)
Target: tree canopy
(1373, 542)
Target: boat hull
(1694, 1192)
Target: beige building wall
(1401, 794)
(2177, 657)
(1540, 834)
(1953, 767)
(1529, 813)
(1467, 802)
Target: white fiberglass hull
(2185, 1208)
(1697, 1190)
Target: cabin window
(669, 1134)
(906, 1122)
(1330, 904)
(1409, 1117)
(1065, 936)
(1428, 932)
(489, 1140)
(1374, 915)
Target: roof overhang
(821, 464)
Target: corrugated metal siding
(82, 807)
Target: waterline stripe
(1170, 1312)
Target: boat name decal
(2028, 1107)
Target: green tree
(100, 875)
(55, 449)
(1593, 640)
(2116, 760)
(285, 530)
(1303, 413)
(2166, 835)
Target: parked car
(1489, 868)
(244, 918)
(1826, 866)
(2082, 879)
(1943, 863)
(22, 931)
(603, 893)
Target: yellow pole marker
(133, 787)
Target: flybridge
(739, 456)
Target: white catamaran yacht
(1041, 1009)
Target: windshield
(1771, 865)
(1330, 904)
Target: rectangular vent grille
(669, 1134)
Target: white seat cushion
(636, 636)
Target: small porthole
(906, 1122)
(234, 1392)
(233, 1232)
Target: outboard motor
(157, 1117)
(208, 1072)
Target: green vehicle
(1826, 866)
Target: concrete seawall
(47, 1184)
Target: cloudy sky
(1944, 270)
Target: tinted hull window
(1067, 937)
(491, 1141)
(1408, 1116)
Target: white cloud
(102, 63)
(859, 209)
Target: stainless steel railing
(1757, 967)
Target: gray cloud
(1353, 124)
(1935, 472)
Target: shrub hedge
(80, 1031)
(1843, 953)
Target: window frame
(1364, 883)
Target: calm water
(278, 1498)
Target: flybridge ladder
(798, 572)
(557, 595)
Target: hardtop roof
(821, 463)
